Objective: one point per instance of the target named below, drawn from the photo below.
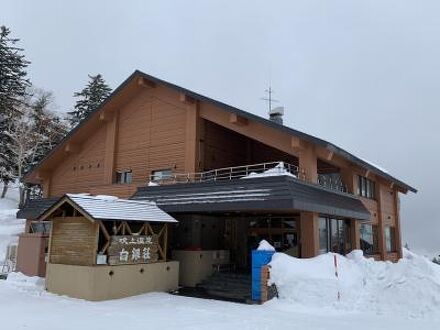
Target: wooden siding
(79, 171)
(150, 136)
(73, 241)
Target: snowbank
(10, 226)
(265, 246)
(410, 287)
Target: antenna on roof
(269, 98)
(275, 114)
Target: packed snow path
(24, 304)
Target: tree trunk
(22, 191)
(5, 189)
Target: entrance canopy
(277, 193)
(109, 208)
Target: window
(369, 239)
(159, 175)
(366, 187)
(42, 227)
(334, 235)
(323, 235)
(124, 176)
(390, 239)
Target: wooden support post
(165, 241)
(309, 234)
(192, 137)
(110, 148)
(309, 163)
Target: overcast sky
(361, 74)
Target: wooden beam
(106, 116)
(297, 144)
(238, 120)
(329, 155)
(72, 148)
(146, 83)
(42, 175)
(367, 173)
(185, 98)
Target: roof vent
(276, 115)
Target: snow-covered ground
(10, 227)
(374, 295)
(24, 304)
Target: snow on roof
(374, 165)
(112, 208)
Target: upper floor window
(366, 187)
(125, 176)
(369, 239)
(159, 175)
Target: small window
(42, 227)
(159, 175)
(124, 176)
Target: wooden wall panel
(73, 241)
(80, 171)
(151, 136)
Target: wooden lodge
(198, 184)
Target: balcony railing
(229, 173)
(331, 181)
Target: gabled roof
(108, 208)
(274, 193)
(32, 209)
(307, 137)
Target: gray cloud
(362, 74)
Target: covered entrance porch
(221, 222)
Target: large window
(334, 235)
(390, 239)
(369, 239)
(366, 187)
(124, 176)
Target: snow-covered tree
(13, 84)
(89, 98)
(32, 134)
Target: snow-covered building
(230, 179)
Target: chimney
(276, 115)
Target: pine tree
(13, 84)
(89, 98)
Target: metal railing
(230, 173)
(331, 181)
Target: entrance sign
(133, 249)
